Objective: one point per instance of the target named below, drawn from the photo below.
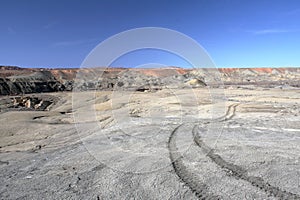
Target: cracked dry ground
(168, 144)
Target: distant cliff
(16, 80)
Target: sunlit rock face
(15, 80)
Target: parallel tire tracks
(201, 189)
(230, 113)
(240, 173)
(190, 179)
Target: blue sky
(236, 33)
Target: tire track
(228, 115)
(201, 189)
(237, 171)
(189, 178)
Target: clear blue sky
(236, 33)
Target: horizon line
(167, 67)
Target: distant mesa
(16, 80)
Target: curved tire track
(237, 171)
(200, 189)
(189, 178)
(230, 113)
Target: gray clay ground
(166, 144)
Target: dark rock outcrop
(36, 82)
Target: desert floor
(235, 143)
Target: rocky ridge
(16, 80)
